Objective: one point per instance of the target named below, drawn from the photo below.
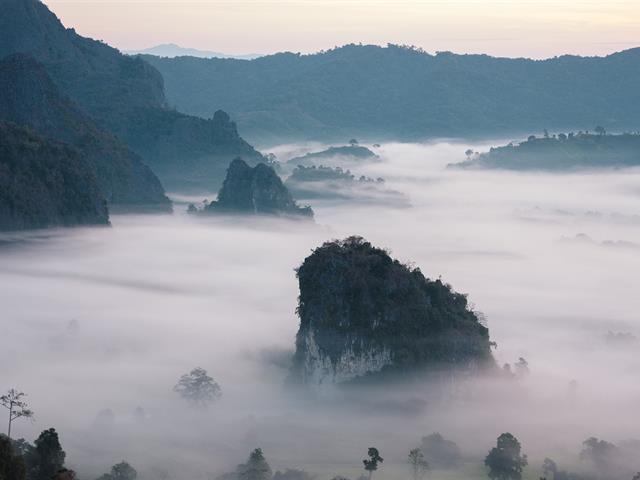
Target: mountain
(124, 95)
(255, 190)
(365, 315)
(561, 152)
(44, 183)
(29, 97)
(399, 93)
(171, 50)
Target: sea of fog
(97, 322)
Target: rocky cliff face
(363, 314)
(124, 95)
(255, 190)
(29, 97)
(44, 183)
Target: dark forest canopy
(398, 92)
(561, 151)
(44, 183)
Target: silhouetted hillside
(255, 190)
(123, 95)
(44, 183)
(561, 152)
(29, 97)
(403, 93)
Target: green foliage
(505, 461)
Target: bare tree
(17, 407)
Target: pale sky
(513, 28)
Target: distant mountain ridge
(124, 95)
(171, 50)
(400, 93)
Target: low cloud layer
(98, 319)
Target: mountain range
(172, 50)
(125, 96)
(402, 93)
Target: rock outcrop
(44, 183)
(364, 315)
(29, 97)
(255, 190)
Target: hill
(29, 97)
(364, 314)
(124, 95)
(44, 183)
(400, 93)
(255, 190)
(561, 152)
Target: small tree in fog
(198, 388)
(120, 471)
(256, 467)
(371, 463)
(419, 466)
(468, 153)
(13, 401)
(505, 461)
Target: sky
(512, 28)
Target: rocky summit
(255, 190)
(365, 315)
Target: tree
(256, 467)
(48, 455)
(419, 466)
(599, 452)
(65, 474)
(371, 463)
(12, 465)
(17, 407)
(505, 461)
(198, 388)
(468, 153)
(120, 471)
(549, 468)
(600, 130)
(440, 452)
(522, 367)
